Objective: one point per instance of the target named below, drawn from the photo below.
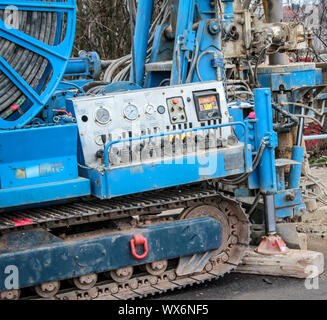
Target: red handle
(137, 241)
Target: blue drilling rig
(137, 184)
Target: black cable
(255, 163)
(280, 127)
(254, 204)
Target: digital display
(208, 103)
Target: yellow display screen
(208, 103)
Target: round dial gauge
(131, 112)
(149, 109)
(102, 116)
(98, 140)
(161, 109)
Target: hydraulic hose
(33, 68)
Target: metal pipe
(141, 36)
(300, 129)
(183, 27)
(274, 13)
(88, 64)
(174, 133)
(270, 219)
(315, 137)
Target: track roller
(156, 268)
(121, 274)
(10, 295)
(48, 289)
(86, 282)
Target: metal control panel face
(207, 105)
(128, 114)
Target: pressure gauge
(161, 109)
(131, 112)
(149, 110)
(98, 140)
(102, 115)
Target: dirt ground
(314, 222)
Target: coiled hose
(32, 67)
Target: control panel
(176, 109)
(128, 114)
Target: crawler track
(99, 210)
(143, 284)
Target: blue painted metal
(158, 175)
(88, 64)
(120, 87)
(58, 102)
(295, 170)
(287, 77)
(228, 10)
(42, 257)
(43, 148)
(184, 41)
(210, 57)
(141, 35)
(188, 46)
(263, 111)
(57, 55)
(41, 165)
(280, 178)
(19, 197)
(286, 201)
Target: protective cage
(36, 40)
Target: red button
(175, 101)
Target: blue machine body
(35, 171)
(204, 45)
(101, 253)
(289, 76)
